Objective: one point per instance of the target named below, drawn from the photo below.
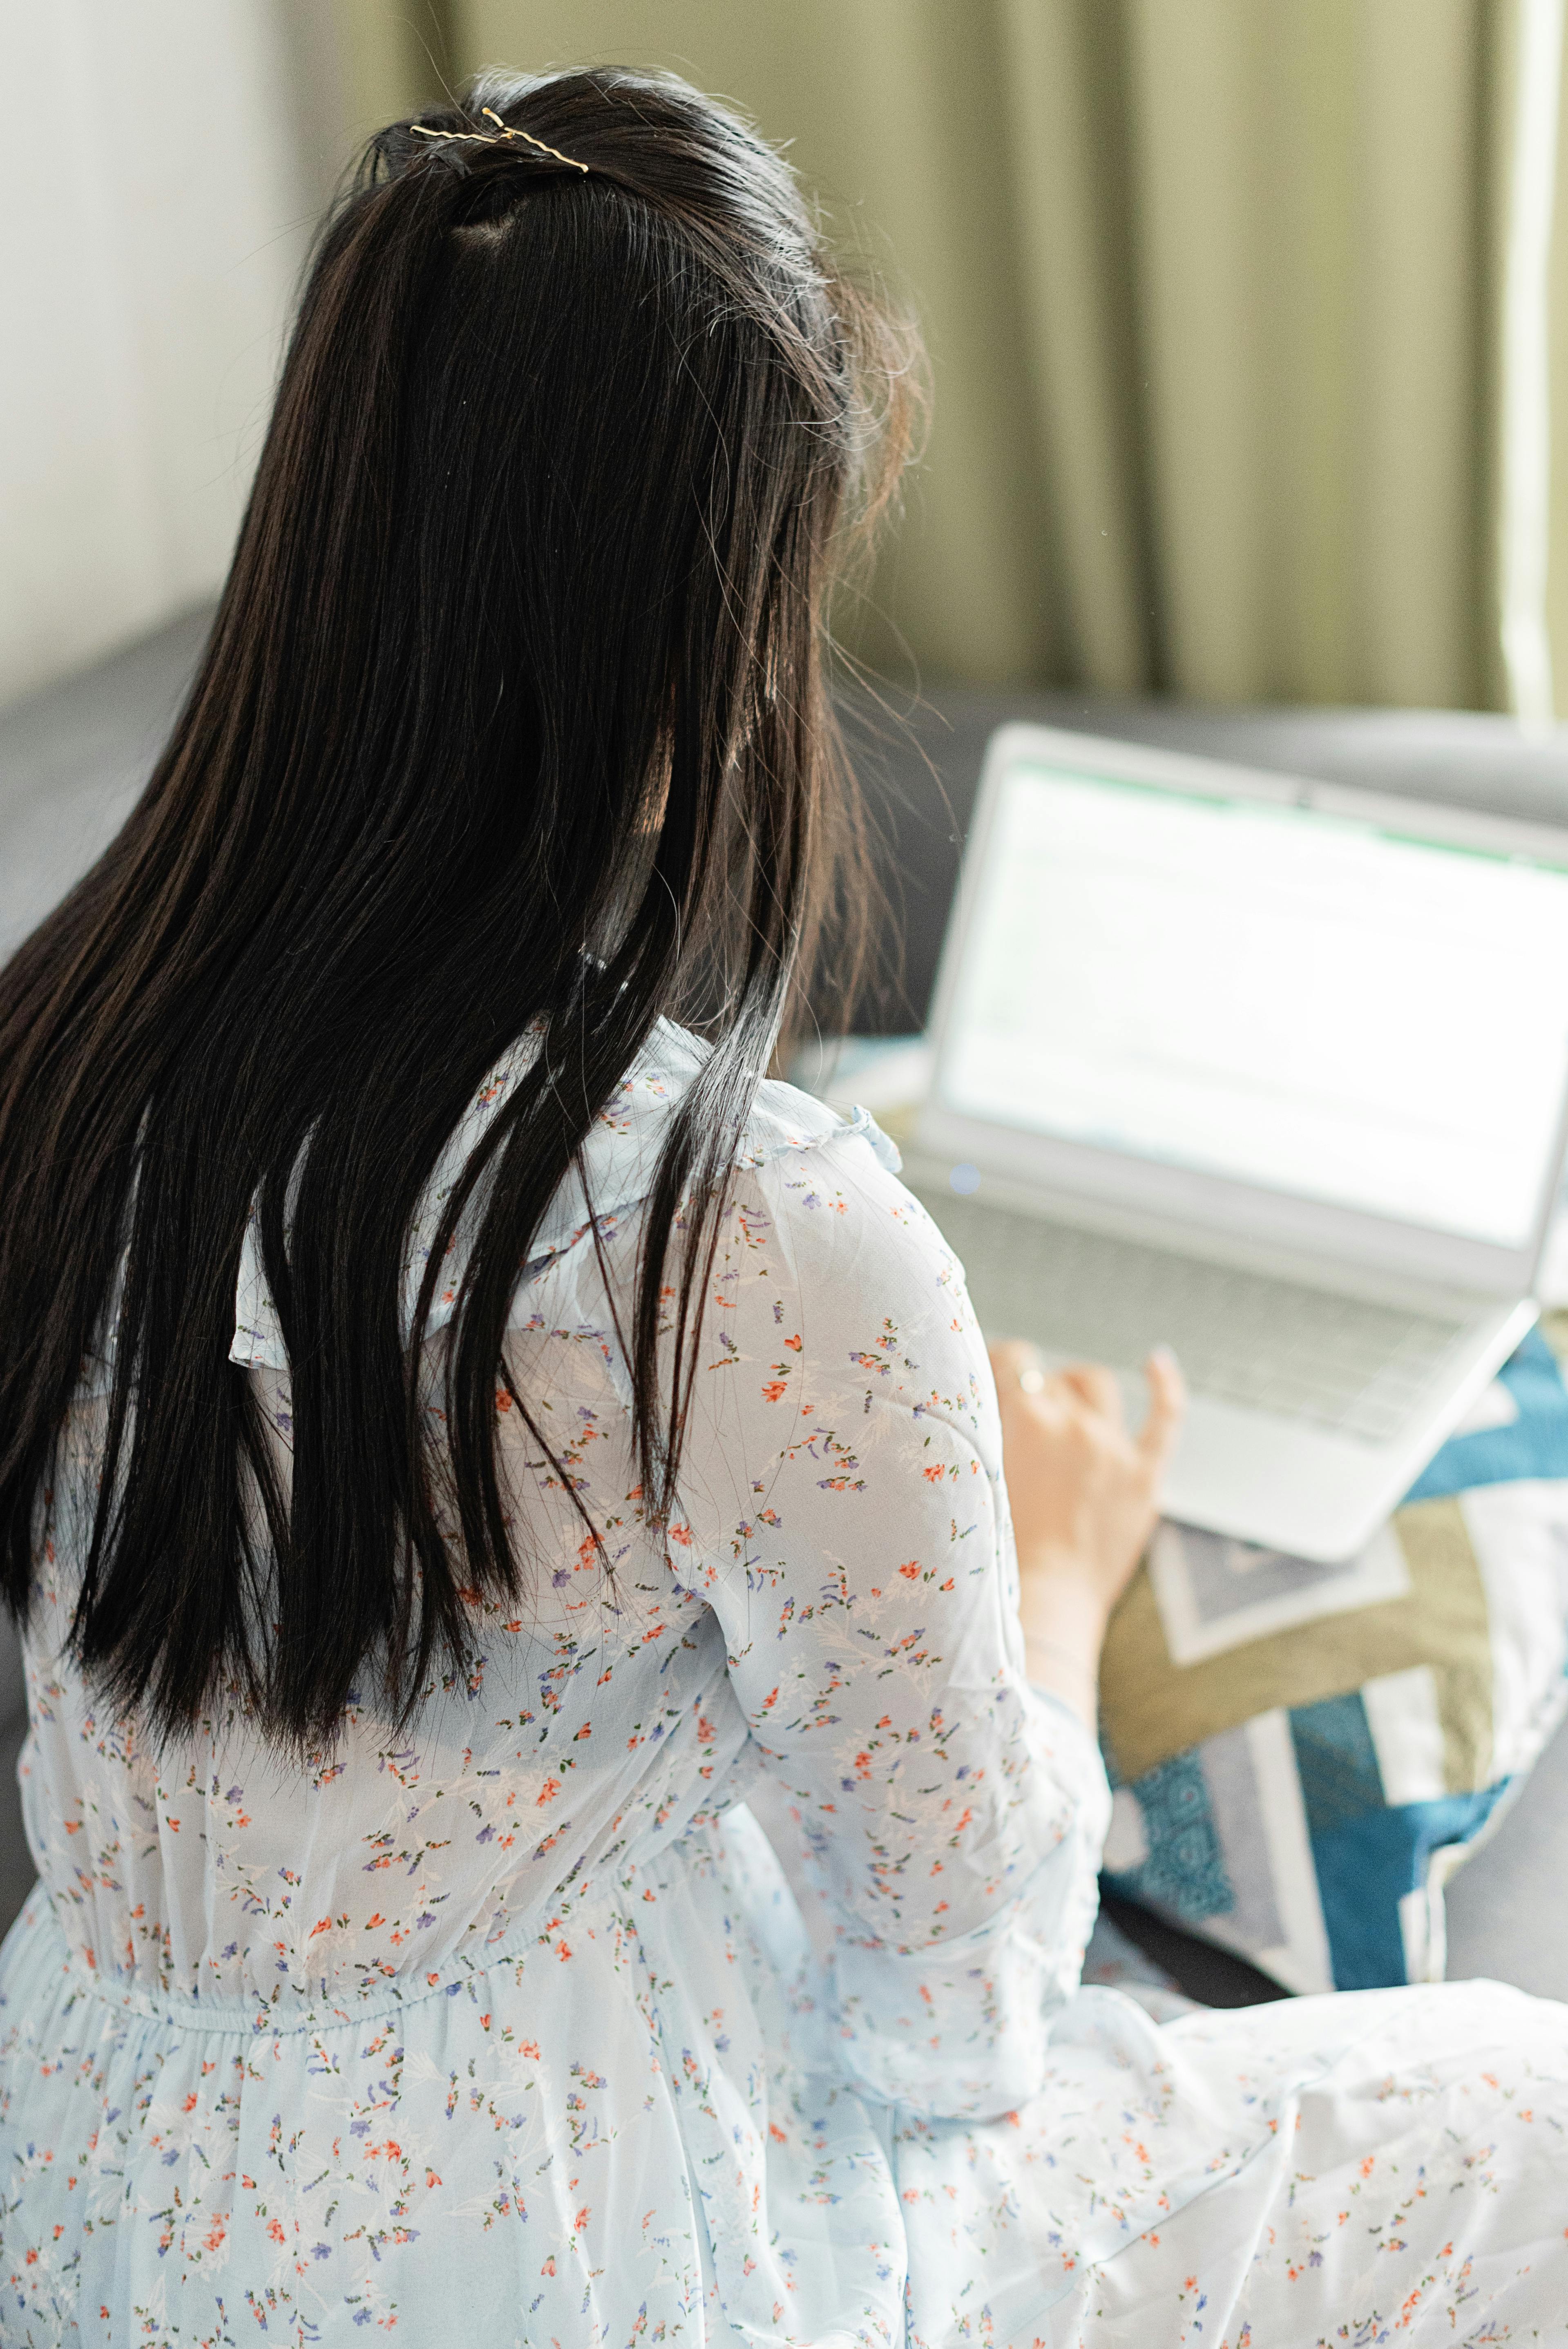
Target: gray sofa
(71, 761)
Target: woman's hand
(1085, 1495)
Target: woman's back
(508, 1981)
(185, 1870)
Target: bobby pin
(496, 137)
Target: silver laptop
(1273, 1072)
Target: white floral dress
(509, 2030)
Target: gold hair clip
(498, 137)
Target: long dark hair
(513, 717)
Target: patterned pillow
(1304, 1755)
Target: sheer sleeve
(846, 1518)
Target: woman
(461, 1429)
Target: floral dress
(509, 2029)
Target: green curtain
(1212, 290)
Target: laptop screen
(1270, 993)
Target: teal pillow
(1303, 1755)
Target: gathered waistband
(27, 1948)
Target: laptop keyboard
(1270, 1345)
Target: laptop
(1273, 1071)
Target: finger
(1015, 1364)
(1167, 1407)
(1100, 1388)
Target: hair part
(513, 719)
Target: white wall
(157, 185)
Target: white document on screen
(1317, 1006)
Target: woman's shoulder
(786, 1130)
(782, 1121)
(795, 1145)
